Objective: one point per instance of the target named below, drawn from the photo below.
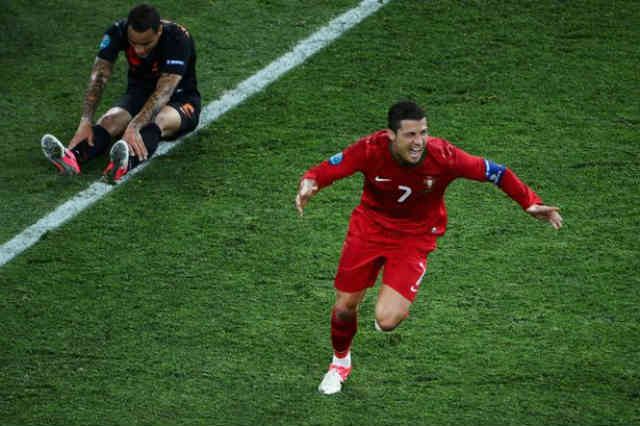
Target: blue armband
(493, 172)
(336, 159)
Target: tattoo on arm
(100, 74)
(167, 83)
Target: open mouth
(415, 152)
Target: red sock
(342, 333)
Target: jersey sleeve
(484, 170)
(340, 165)
(518, 190)
(178, 53)
(113, 41)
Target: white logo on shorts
(414, 288)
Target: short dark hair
(143, 17)
(403, 110)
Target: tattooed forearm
(159, 98)
(100, 74)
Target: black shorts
(186, 103)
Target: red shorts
(368, 247)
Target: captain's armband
(493, 172)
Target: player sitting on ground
(161, 101)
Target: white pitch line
(211, 112)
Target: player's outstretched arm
(548, 213)
(306, 189)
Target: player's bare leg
(391, 309)
(169, 121)
(115, 120)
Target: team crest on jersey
(106, 41)
(336, 159)
(429, 181)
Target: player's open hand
(306, 189)
(136, 145)
(548, 213)
(84, 132)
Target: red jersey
(410, 199)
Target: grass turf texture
(195, 295)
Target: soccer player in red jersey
(400, 216)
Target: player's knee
(387, 323)
(115, 121)
(345, 312)
(346, 304)
(169, 121)
(109, 124)
(388, 319)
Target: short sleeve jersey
(410, 199)
(174, 54)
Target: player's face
(409, 141)
(144, 42)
